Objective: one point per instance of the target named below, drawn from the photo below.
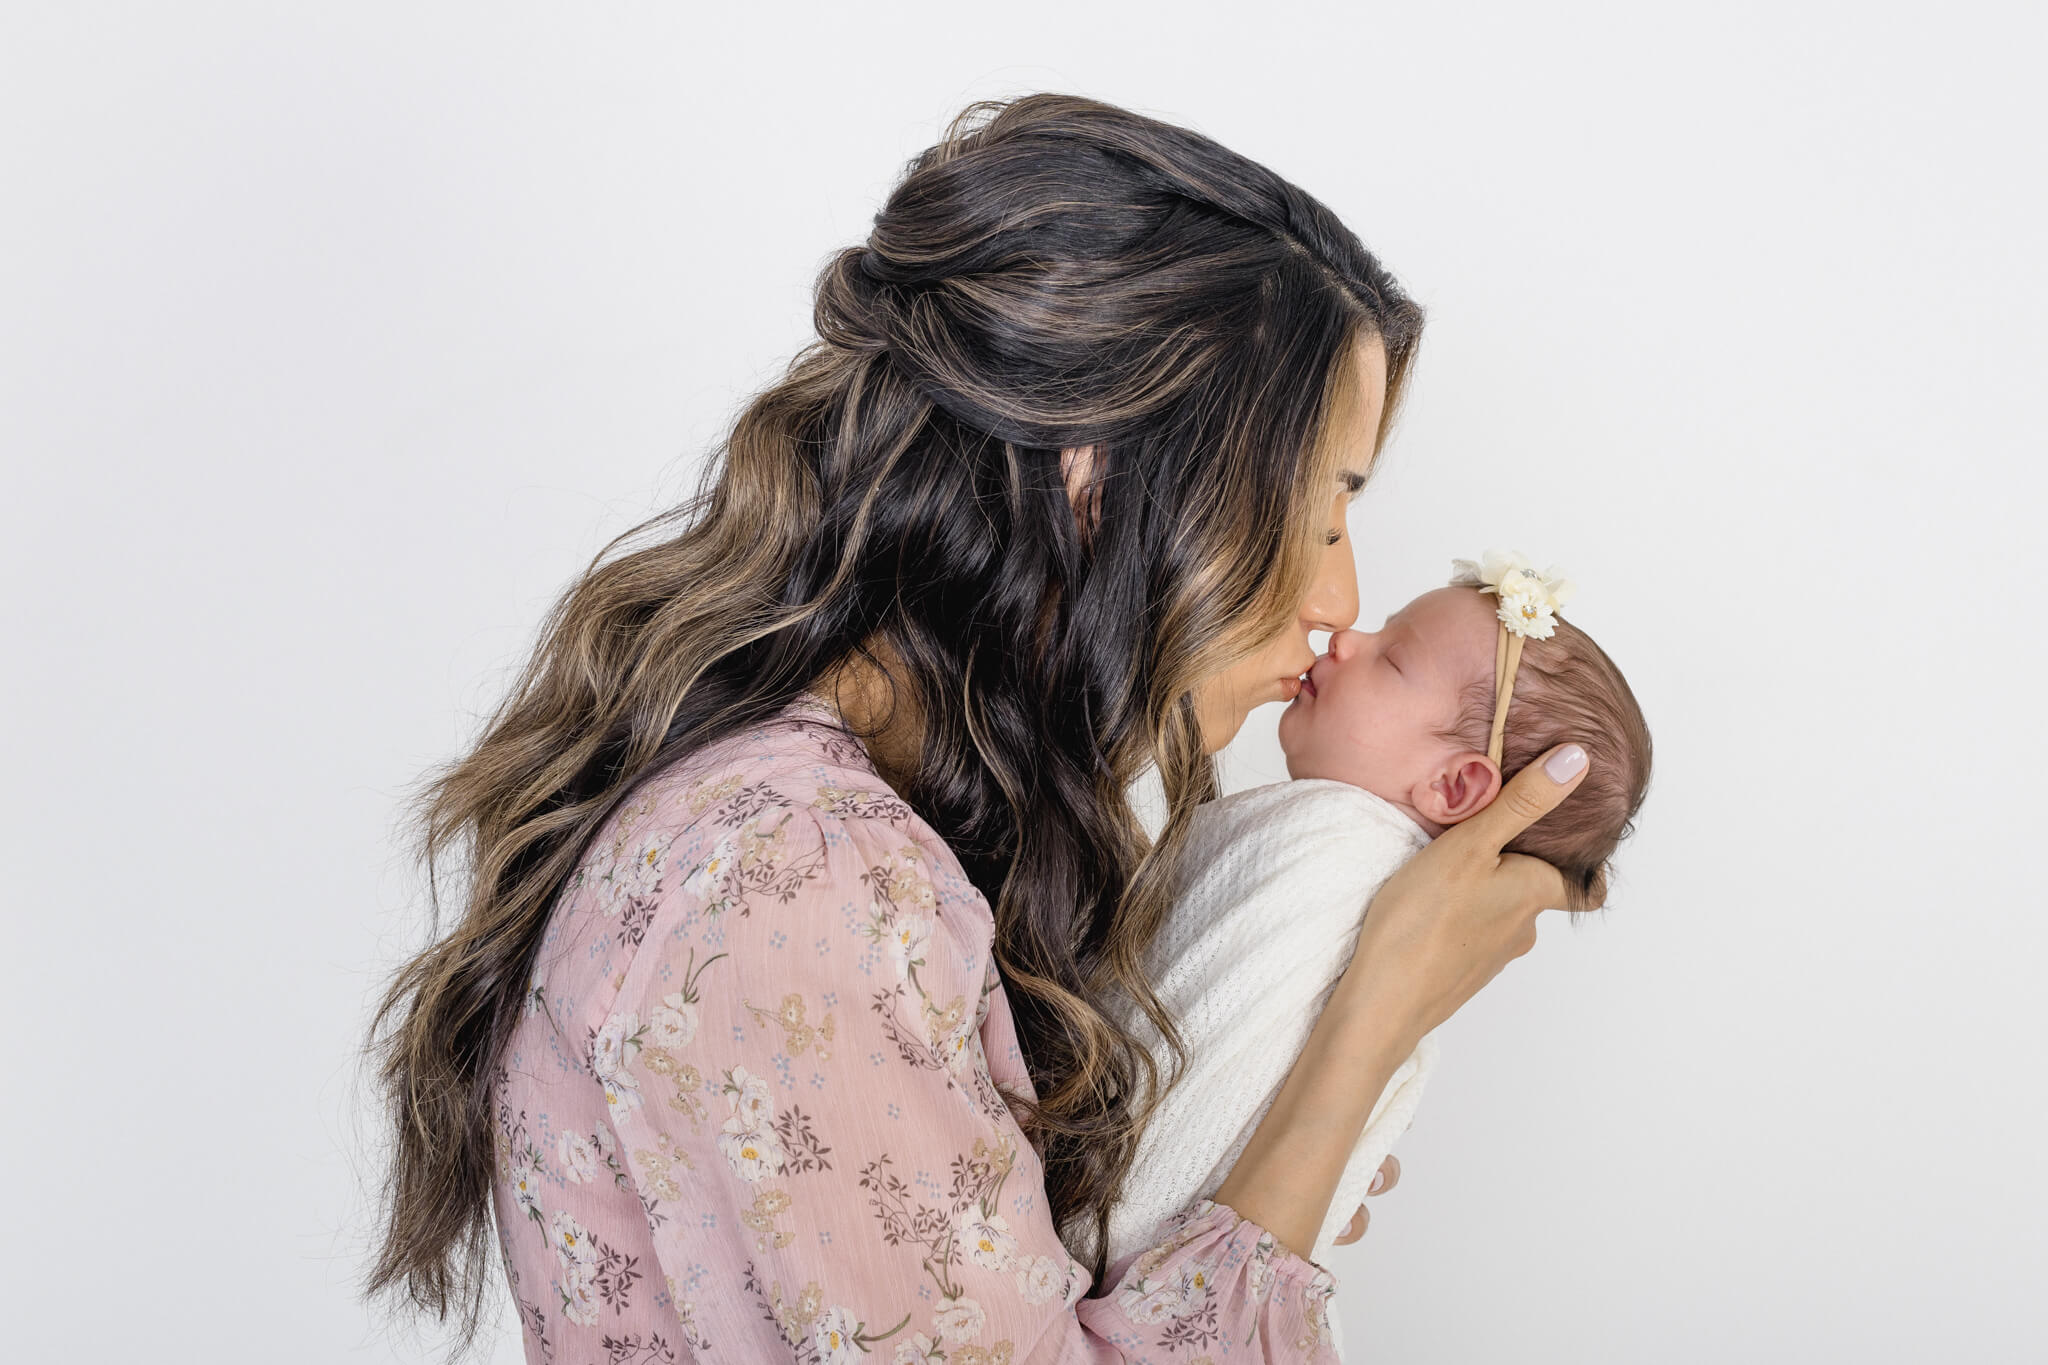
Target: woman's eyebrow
(1351, 479)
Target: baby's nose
(1344, 643)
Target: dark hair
(1567, 690)
(1055, 272)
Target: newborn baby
(1388, 745)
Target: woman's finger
(1389, 1175)
(1534, 793)
(1457, 912)
(1354, 1229)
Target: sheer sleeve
(804, 1088)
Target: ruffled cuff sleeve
(1219, 1284)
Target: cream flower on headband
(1529, 601)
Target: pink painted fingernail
(1379, 1180)
(1564, 765)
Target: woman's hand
(1466, 911)
(1390, 1174)
(1460, 910)
(1442, 927)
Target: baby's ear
(1457, 789)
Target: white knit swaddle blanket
(1276, 885)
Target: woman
(805, 865)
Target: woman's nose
(1332, 601)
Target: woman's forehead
(1355, 425)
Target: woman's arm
(1286, 1174)
(1438, 931)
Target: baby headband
(1527, 610)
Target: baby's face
(1374, 704)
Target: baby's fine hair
(1567, 690)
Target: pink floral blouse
(750, 1112)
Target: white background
(335, 339)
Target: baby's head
(1405, 712)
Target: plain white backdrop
(335, 339)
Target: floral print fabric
(753, 1110)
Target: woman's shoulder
(761, 813)
(783, 856)
(799, 759)
(785, 760)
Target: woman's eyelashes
(1333, 538)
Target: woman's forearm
(1285, 1176)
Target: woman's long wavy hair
(1056, 272)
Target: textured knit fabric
(1263, 925)
(753, 1110)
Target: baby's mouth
(1308, 683)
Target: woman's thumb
(1533, 794)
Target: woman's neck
(859, 691)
